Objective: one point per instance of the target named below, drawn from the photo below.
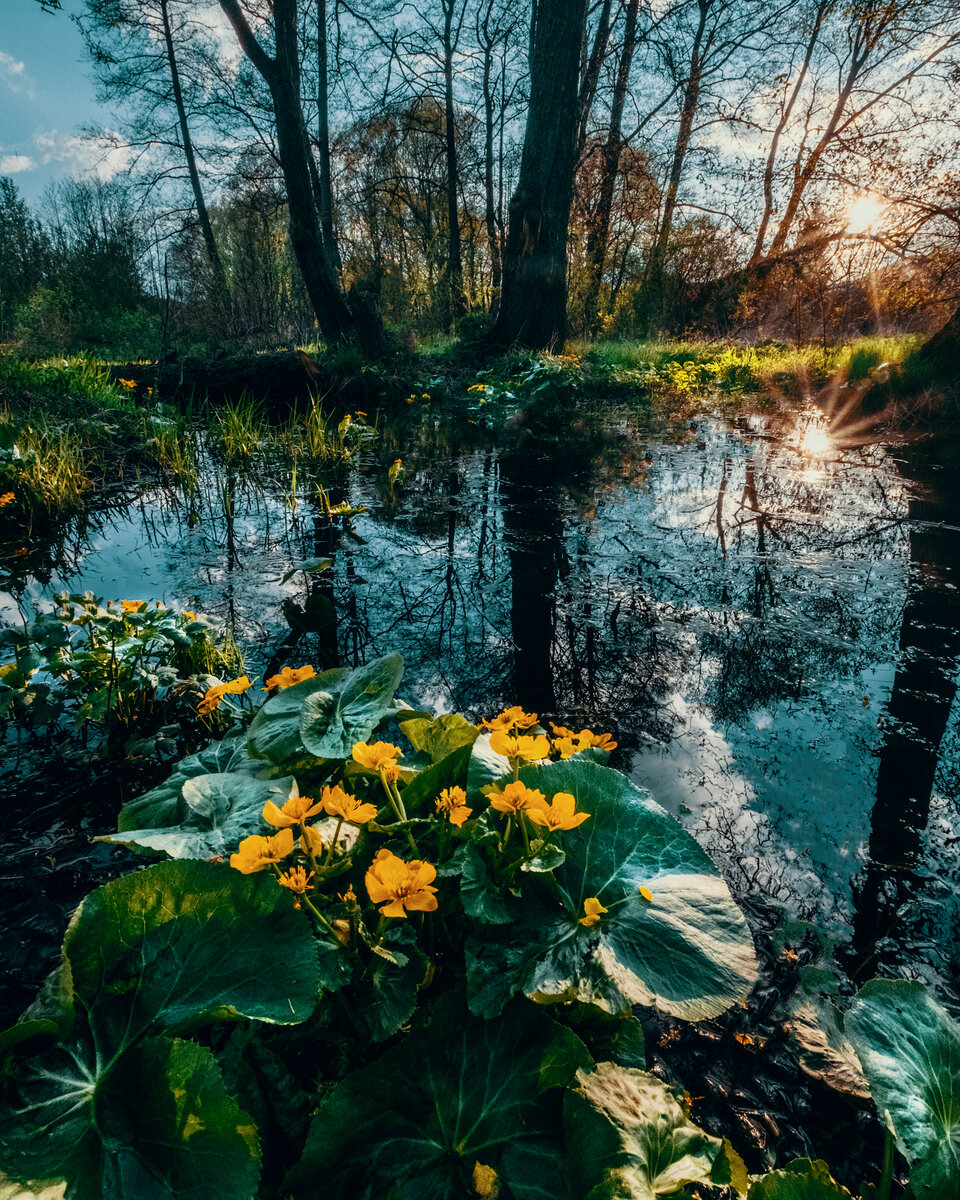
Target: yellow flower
(295, 811)
(189, 615)
(565, 746)
(400, 886)
(515, 798)
(646, 894)
(530, 749)
(338, 803)
(603, 741)
(213, 696)
(298, 881)
(310, 841)
(256, 853)
(132, 606)
(127, 383)
(510, 719)
(7, 498)
(559, 814)
(581, 741)
(378, 756)
(288, 677)
(453, 802)
(593, 909)
(486, 1182)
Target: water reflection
(768, 622)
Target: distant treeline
(298, 171)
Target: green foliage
(116, 670)
(687, 950)
(630, 1137)
(118, 1104)
(910, 1050)
(467, 1092)
(377, 944)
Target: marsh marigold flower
(298, 881)
(338, 803)
(516, 798)
(559, 814)
(568, 741)
(511, 718)
(288, 677)
(378, 756)
(400, 886)
(295, 811)
(530, 749)
(132, 606)
(7, 498)
(256, 853)
(593, 911)
(213, 696)
(191, 616)
(452, 803)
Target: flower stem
(332, 845)
(522, 821)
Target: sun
(864, 212)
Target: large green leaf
(448, 772)
(184, 942)
(332, 721)
(159, 951)
(324, 716)
(439, 736)
(630, 1138)
(156, 1124)
(217, 811)
(802, 1179)
(910, 1050)
(687, 951)
(163, 805)
(274, 732)
(458, 1093)
(822, 1048)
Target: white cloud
(13, 74)
(101, 157)
(13, 164)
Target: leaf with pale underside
(687, 950)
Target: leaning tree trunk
(533, 305)
(282, 76)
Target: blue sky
(46, 96)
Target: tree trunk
(203, 217)
(490, 211)
(325, 193)
(282, 76)
(822, 11)
(691, 102)
(591, 75)
(454, 255)
(533, 306)
(599, 233)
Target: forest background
(298, 170)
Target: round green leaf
(909, 1047)
(274, 732)
(332, 721)
(217, 811)
(802, 1179)
(155, 1122)
(459, 1093)
(184, 942)
(687, 951)
(630, 1138)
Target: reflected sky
(756, 611)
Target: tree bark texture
(533, 305)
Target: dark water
(771, 636)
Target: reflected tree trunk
(530, 498)
(917, 714)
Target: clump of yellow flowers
(306, 849)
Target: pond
(766, 619)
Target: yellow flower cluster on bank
(7, 498)
(507, 737)
(255, 853)
(517, 798)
